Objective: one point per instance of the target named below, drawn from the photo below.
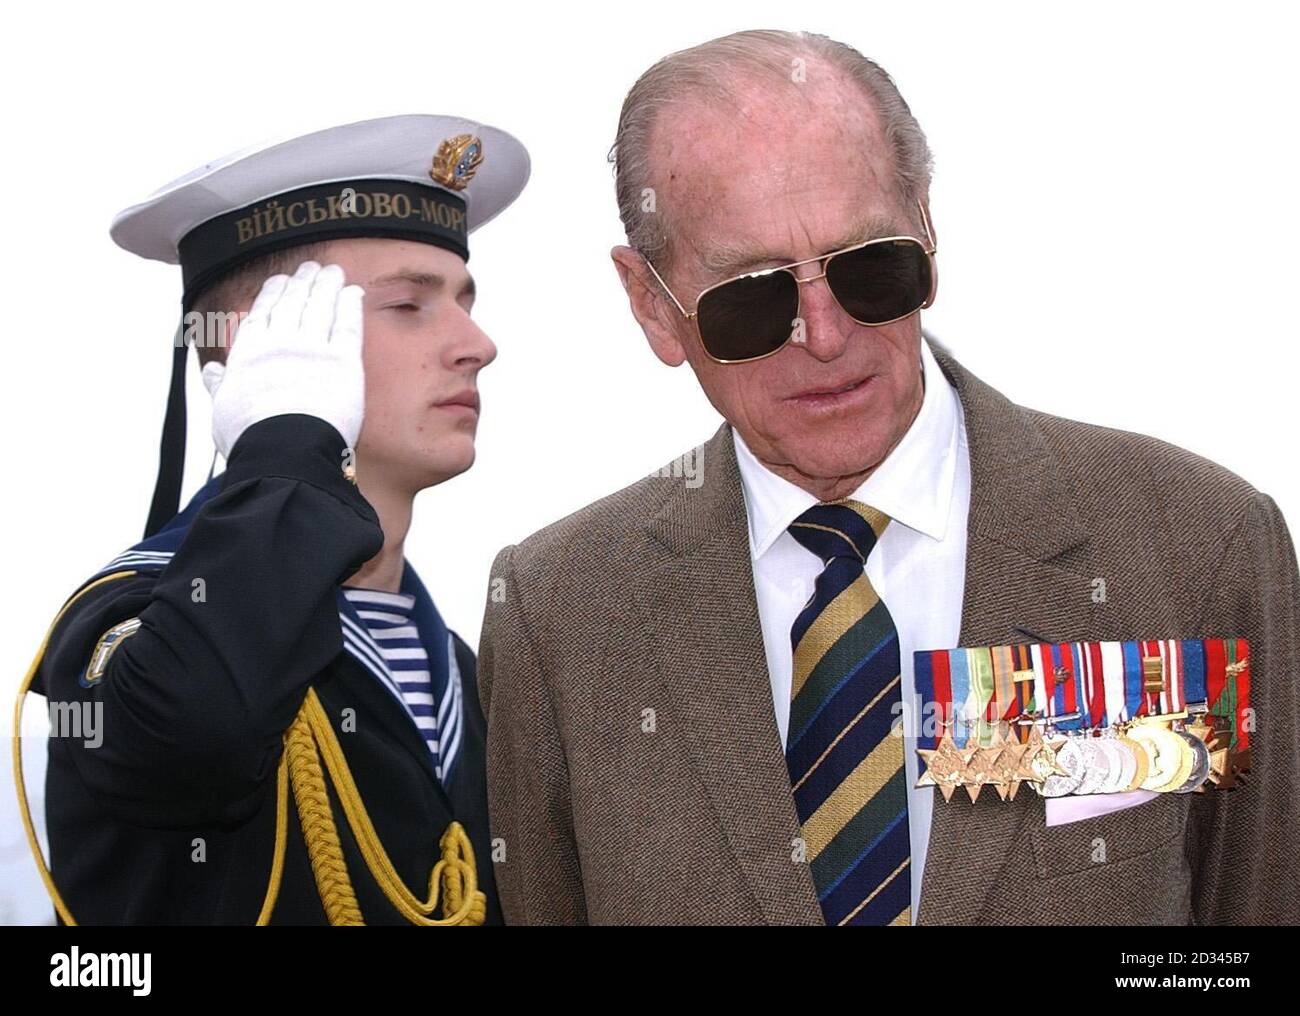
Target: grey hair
(707, 71)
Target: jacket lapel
(1027, 580)
(700, 610)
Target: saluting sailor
(288, 731)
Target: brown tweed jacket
(635, 773)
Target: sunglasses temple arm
(925, 221)
(659, 279)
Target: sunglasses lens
(748, 318)
(882, 281)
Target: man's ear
(651, 306)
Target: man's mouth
(463, 400)
(834, 396)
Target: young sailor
(285, 729)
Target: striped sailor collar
(429, 624)
(444, 674)
(914, 485)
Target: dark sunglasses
(754, 315)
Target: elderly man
(691, 688)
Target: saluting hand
(297, 351)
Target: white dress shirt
(917, 567)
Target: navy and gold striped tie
(846, 768)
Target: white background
(1114, 195)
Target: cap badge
(456, 160)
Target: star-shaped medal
(1039, 759)
(981, 766)
(1009, 767)
(944, 766)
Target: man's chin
(417, 469)
(446, 463)
(827, 462)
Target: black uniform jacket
(170, 818)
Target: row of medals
(1165, 754)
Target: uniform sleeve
(1245, 867)
(540, 880)
(191, 708)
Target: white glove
(297, 351)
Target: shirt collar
(913, 486)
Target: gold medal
(1171, 755)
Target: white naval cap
(432, 179)
(420, 177)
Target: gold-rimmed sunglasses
(754, 315)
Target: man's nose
(826, 327)
(471, 348)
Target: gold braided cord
(281, 837)
(318, 829)
(463, 902)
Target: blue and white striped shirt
(388, 618)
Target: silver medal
(1096, 766)
(1071, 758)
(1200, 768)
(1132, 764)
(1121, 766)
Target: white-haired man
(693, 691)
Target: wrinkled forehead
(765, 177)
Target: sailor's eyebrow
(429, 280)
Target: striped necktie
(846, 769)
